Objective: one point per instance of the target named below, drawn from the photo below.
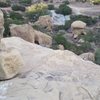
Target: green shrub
(51, 7)
(25, 1)
(89, 37)
(97, 56)
(85, 47)
(59, 39)
(15, 15)
(18, 8)
(4, 4)
(97, 38)
(6, 26)
(86, 19)
(58, 27)
(66, 2)
(67, 24)
(64, 9)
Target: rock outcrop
(78, 28)
(29, 34)
(51, 74)
(10, 63)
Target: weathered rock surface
(10, 63)
(78, 24)
(51, 75)
(45, 21)
(88, 56)
(29, 34)
(60, 47)
(78, 28)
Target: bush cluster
(18, 8)
(86, 19)
(25, 2)
(84, 47)
(51, 7)
(66, 2)
(4, 4)
(34, 11)
(15, 15)
(64, 9)
(97, 56)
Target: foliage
(97, 38)
(95, 1)
(34, 11)
(51, 7)
(86, 19)
(84, 47)
(7, 30)
(25, 1)
(4, 4)
(15, 15)
(89, 37)
(66, 2)
(97, 56)
(58, 27)
(18, 8)
(68, 24)
(64, 9)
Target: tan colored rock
(60, 47)
(78, 28)
(24, 31)
(51, 75)
(42, 39)
(78, 24)
(29, 34)
(88, 56)
(10, 63)
(45, 21)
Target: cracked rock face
(51, 75)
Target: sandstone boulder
(78, 28)
(51, 75)
(45, 21)
(29, 34)
(10, 63)
(88, 56)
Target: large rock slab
(29, 34)
(51, 75)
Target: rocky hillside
(52, 74)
